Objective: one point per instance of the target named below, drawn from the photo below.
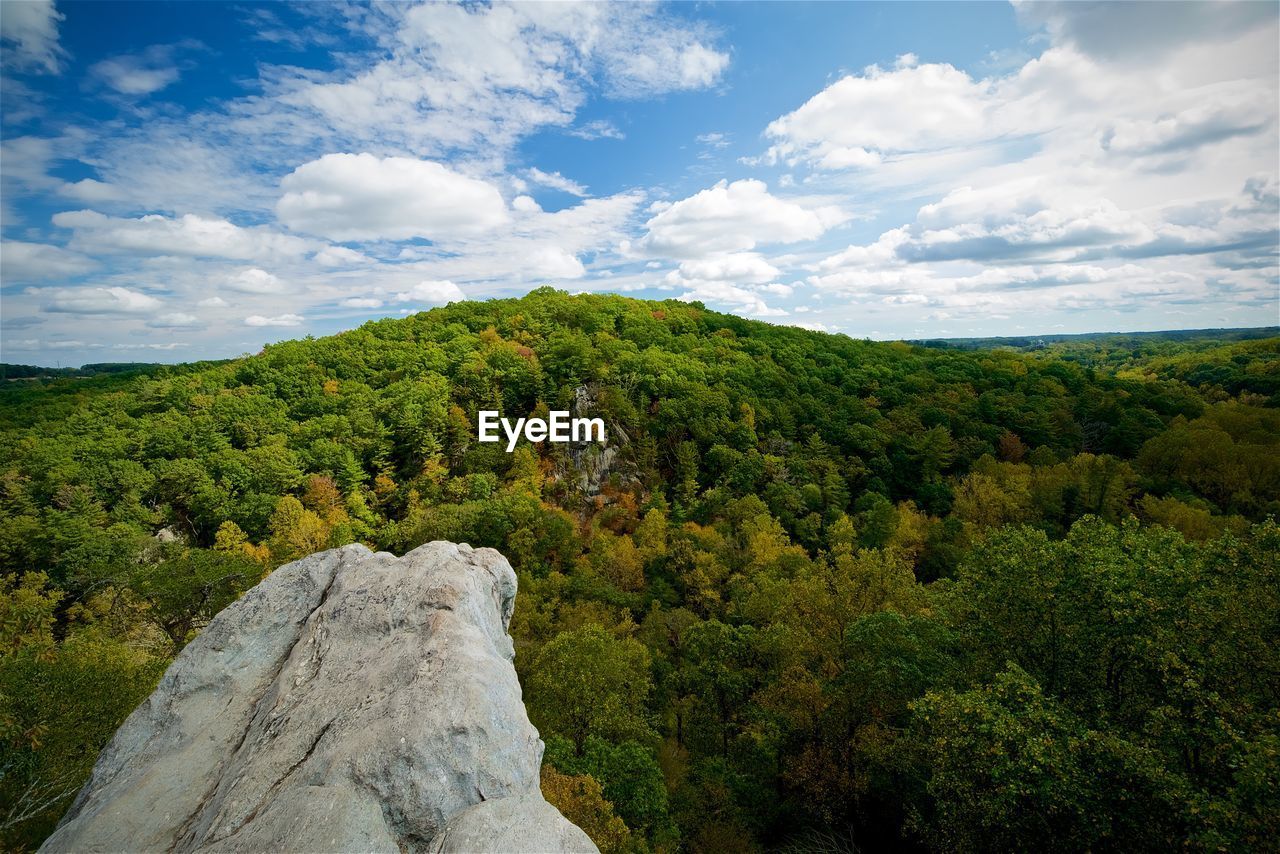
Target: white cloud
(278, 320)
(1018, 220)
(1227, 115)
(189, 235)
(212, 302)
(859, 119)
(176, 320)
(1130, 31)
(556, 181)
(661, 61)
(811, 325)
(138, 74)
(92, 190)
(537, 246)
(1041, 221)
(23, 262)
(340, 256)
(732, 218)
(597, 129)
(30, 32)
(552, 262)
(27, 160)
(432, 293)
(737, 299)
(256, 281)
(479, 77)
(740, 267)
(1072, 100)
(737, 281)
(526, 205)
(93, 300)
(362, 302)
(363, 197)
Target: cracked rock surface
(352, 701)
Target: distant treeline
(29, 372)
(1110, 340)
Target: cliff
(352, 701)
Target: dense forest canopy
(818, 593)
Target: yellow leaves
(581, 799)
(626, 568)
(651, 535)
(296, 531)
(230, 538)
(384, 487)
(909, 536)
(26, 612)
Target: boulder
(352, 701)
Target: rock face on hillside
(594, 461)
(352, 701)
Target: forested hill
(826, 591)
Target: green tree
(587, 682)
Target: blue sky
(193, 180)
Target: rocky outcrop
(352, 701)
(594, 461)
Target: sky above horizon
(189, 180)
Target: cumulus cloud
(536, 247)
(340, 256)
(732, 217)
(363, 197)
(737, 281)
(811, 325)
(278, 320)
(525, 205)
(741, 267)
(29, 31)
(23, 262)
(552, 262)
(189, 235)
(1077, 98)
(256, 281)
(361, 302)
(737, 299)
(94, 300)
(859, 119)
(432, 293)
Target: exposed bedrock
(352, 701)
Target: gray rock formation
(594, 461)
(352, 701)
